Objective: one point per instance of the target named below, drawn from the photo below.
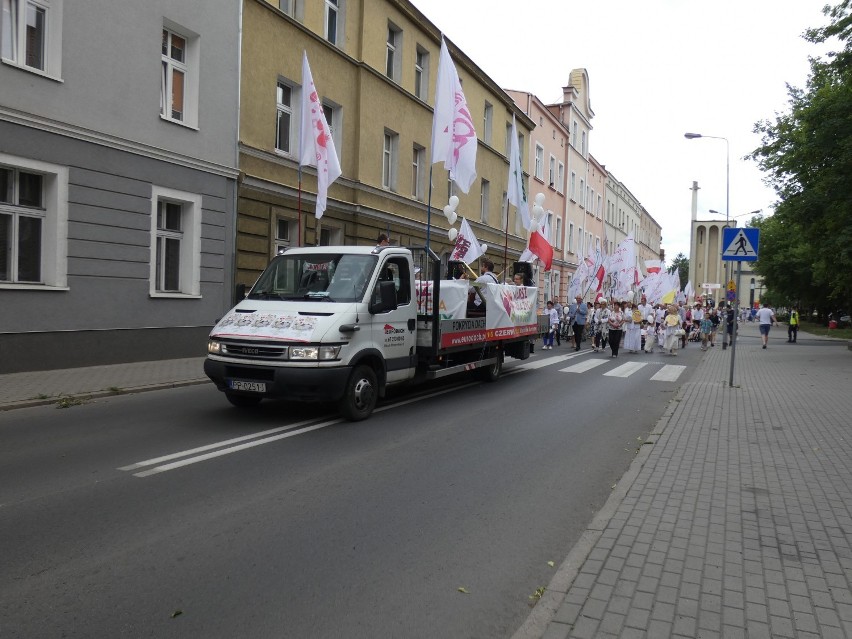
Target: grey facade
(125, 253)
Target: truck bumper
(297, 384)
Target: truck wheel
(361, 394)
(492, 373)
(243, 401)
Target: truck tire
(492, 372)
(243, 401)
(361, 394)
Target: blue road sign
(740, 244)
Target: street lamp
(693, 136)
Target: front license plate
(252, 387)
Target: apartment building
(118, 176)
(374, 65)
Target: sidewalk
(20, 390)
(735, 518)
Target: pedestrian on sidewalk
(553, 322)
(793, 327)
(706, 327)
(715, 320)
(730, 320)
(615, 322)
(766, 317)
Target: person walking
(673, 328)
(615, 322)
(601, 326)
(766, 317)
(632, 328)
(579, 312)
(558, 308)
(553, 322)
(793, 326)
(706, 327)
(715, 319)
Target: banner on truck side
(453, 302)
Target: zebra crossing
(663, 372)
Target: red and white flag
(541, 248)
(653, 266)
(317, 146)
(453, 136)
(467, 246)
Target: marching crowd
(637, 327)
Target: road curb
(83, 397)
(545, 610)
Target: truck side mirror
(384, 298)
(239, 292)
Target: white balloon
(538, 212)
(452, 234)
(454, 202)
(452, 217)
(539, 198)
(447, 210)
(484, 248)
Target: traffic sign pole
(736, 322)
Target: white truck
(341, 324)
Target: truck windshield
(329, 276)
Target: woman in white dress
(632, 328)
(672, 329)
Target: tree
(806, 246)
(681, 263)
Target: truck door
(394, 332)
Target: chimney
(694, 190)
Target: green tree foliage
(681, 263)
(806, 246)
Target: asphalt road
(141, 516)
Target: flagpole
(506, 239)
(299, 237)
(429, 208)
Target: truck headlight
(304, 352)
(329, 352)
(214, 347)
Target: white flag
(317, 146)
(622, 267)
(467, 246)
(453, 136)
(517, 189)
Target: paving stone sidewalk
(735, 519)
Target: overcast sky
(657, 69)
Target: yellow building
(374, 64)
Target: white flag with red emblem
(467, 246)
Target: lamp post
(693, 136)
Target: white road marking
(668, 373)
(549, 361)
(625, 370)
(582, 367)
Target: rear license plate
(252, 387)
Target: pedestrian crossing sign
(740, 244)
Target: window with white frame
(418, 169)
(583, 145)
(484, 196)
(421, 73)
(508, 139)
(333, 21)
(394, 52)
(285, 230)
(551, 173)
(31, 35)
(179, 76)
(599, 207)
(560, 178)
(597, 244)
(487, 123)
(539, 162)
(582, 193)
(285, 94)
(574, 135)
(504, 212)
(334, 118)
(570, 246)
(558, 230)
(330, 236)
(293, 8)
(33, 223)
(175, 243)
(572, 190)
(389, 159)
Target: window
(389, 156)
(583, 146)
(418, 166)
(582, 193)
(451, 187)
(560, 178)
(31, 35)
(488, 118)
(508, 139)
(570, 246)
(572, 190)
(421, 73)
(574, 135)
(175, 243)
(558, 230)
(599, 206)
(551, 174)
(484, 193)
(539, 162)
(394, 52)
(285, 229)
(334, 118)
(332, 13)
(331, 236)
(33, 223)
(504, 212)
(179, 79)
(284, 128)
